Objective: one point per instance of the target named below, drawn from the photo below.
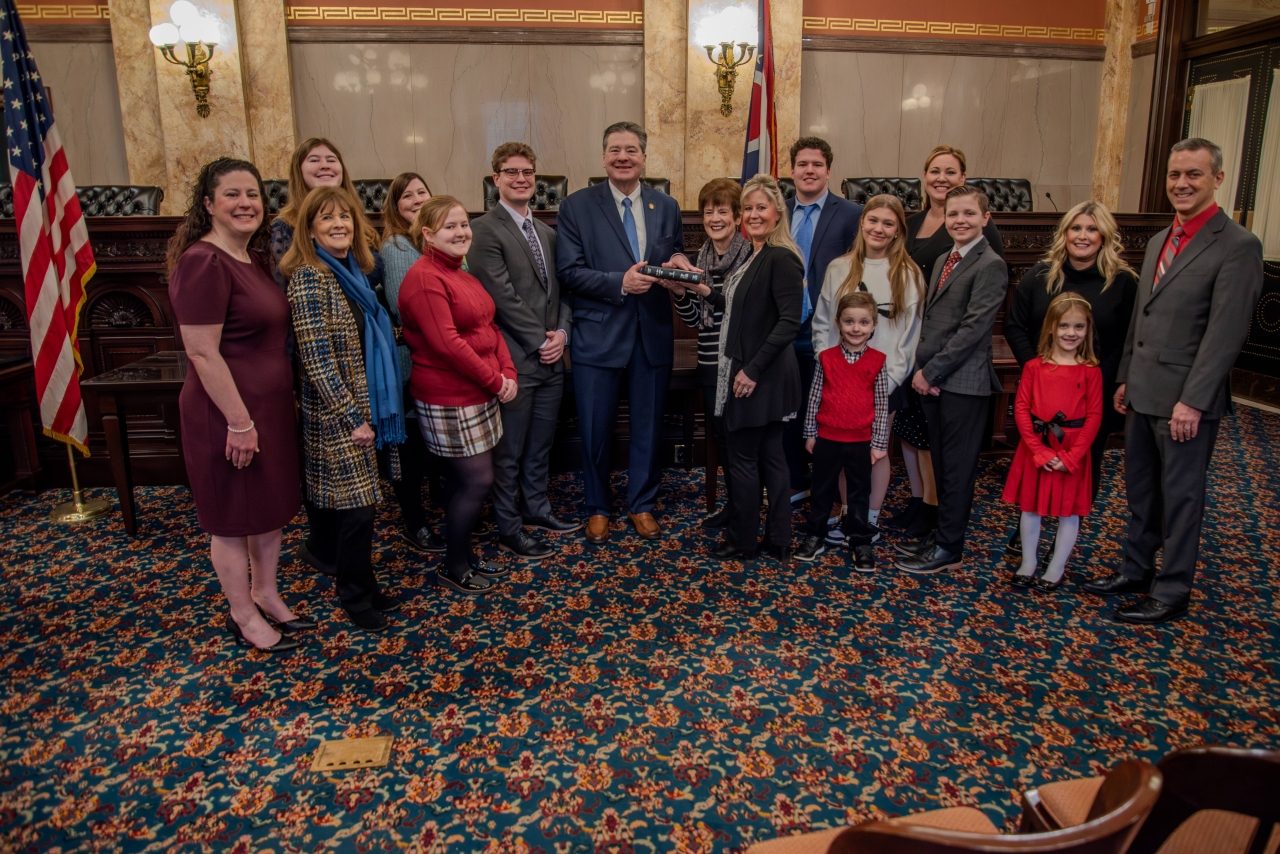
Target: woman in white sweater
(879, 264)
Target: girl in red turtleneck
(461, 371)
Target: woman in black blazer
(758, 381)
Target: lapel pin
(650, 205)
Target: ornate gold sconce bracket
(197, 65)
(727, 70)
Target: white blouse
(896, 338)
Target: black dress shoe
(424, 540)
(473, 583)
(931, 561)
(810, 549)
(718, 519)
(386, 604)
(551, 523)
(728, 551)
(305, 555)
(489, 570)
(1048, 586)
(1115, 584)
(285, 644)
(370, 619)
(288, 627)
(910, 548)
(864, 558)
(524, 545)
(1022, 580)
(1151, 611)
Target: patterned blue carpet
(636, 697)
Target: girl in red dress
(1058, 411)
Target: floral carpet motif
(639, 696)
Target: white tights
(1068, 530)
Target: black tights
(467, 484)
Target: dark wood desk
(156, 379)
(17, 397)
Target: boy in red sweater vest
(846, 428)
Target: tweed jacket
(1184, 337)
(335, 398)
(955, 337)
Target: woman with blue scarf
(352, 402)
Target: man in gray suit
(1200, 283)
(954, 375)
(513, 255)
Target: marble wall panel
(1013, 118)
(441, 109)
(1135, 138)
(264, 55)
(665, 67)
(81, 80)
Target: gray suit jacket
(503, 261)
(955, 339)
(1184, 338)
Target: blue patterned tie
(804, 239)
(629, 226)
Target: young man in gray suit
(954, 375)
(1200, 283)
(513, 255)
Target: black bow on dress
(1054, 426)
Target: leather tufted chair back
(548, 192)
(1005, 194)
(372, 192)
(660, 184)
(103, 200)
(906, 189)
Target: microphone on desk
(1051, 201)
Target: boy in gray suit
(513, 256)
(954, 375)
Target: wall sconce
(200, 35)
(727, 70)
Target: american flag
(761, 154)
(57, 260)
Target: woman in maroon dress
(239, 433)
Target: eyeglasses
(514, 173)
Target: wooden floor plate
(347, 753)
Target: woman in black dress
(1084, 259)
(928, 240)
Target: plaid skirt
(459, 431)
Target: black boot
(906, 516)
(925, 522)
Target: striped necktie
(1170, 252)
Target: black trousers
(344, 538)
(829, 459)
(956, 423)
(797, 457)
(756, 456)
(417, 465)
(717, 430)
(1165, 482)
(522, 458)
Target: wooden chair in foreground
(1116, 811)
(1215, 800)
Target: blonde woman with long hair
(1084, 258)
(758, 378)
(877, 264)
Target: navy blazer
(837, 226)
(593, 254)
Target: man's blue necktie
(804, 239)
(629, 226)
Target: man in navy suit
(823, 225)
(621, 321)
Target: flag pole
(78, 509)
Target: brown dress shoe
(646, 526)
(598, 529)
